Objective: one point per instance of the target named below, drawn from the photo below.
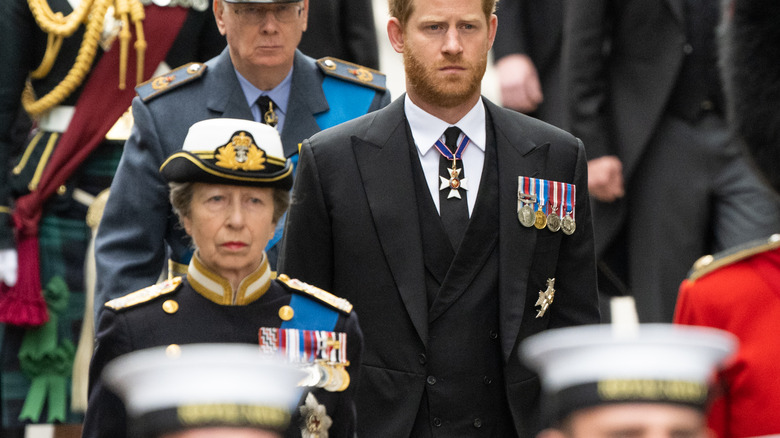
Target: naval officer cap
(170, 389)
(230, 151)
(588, 366)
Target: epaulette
(709, 263)
(353, 72)
(174, 78)
(144, 295)
(314, 292)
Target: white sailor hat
(594, 365)
(173, 388)
(230, 151)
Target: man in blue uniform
(260, 76)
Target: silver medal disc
(526, 216)
(568, 225)
(553, 222)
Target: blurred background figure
(205, 390)
(229, 186)
(738, 289)
(648, 380)
(343, 29)
(527, 55)
(668, 182)
(58, 71)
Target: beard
(449, 92)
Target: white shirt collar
(427, 128)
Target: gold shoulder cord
(58, 27)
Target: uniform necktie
(454, 210)
(267, 111)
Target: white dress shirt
(427, 129)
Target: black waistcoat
(464, 391)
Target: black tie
(454, 211)
(267, 111)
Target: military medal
(321, 354)
(525, 196)
(545, 298)
(553, 220)
(526, 212)
(568, 225)
(541, 217)
(315, 419)
(453, 181)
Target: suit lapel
(517, 156)
(385, 168)
(306, 100)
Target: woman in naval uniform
(229, 186)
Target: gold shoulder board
(174, 78)
(144, 295)
(317, 293)
(353, 72)
(709, 263)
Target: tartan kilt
(63, 240)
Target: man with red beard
(452, 244)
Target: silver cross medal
(454, 182)
(545, 298)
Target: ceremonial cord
(58, 27)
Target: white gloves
(8, 266)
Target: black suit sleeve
(359, 32)
(345, 419)
(511, 32)
(586, 24)
(307, 245)
(576, 268)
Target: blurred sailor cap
(172, 388)
(592, 365)
(230, 151)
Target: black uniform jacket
(195, 310)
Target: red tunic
(743, 298)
